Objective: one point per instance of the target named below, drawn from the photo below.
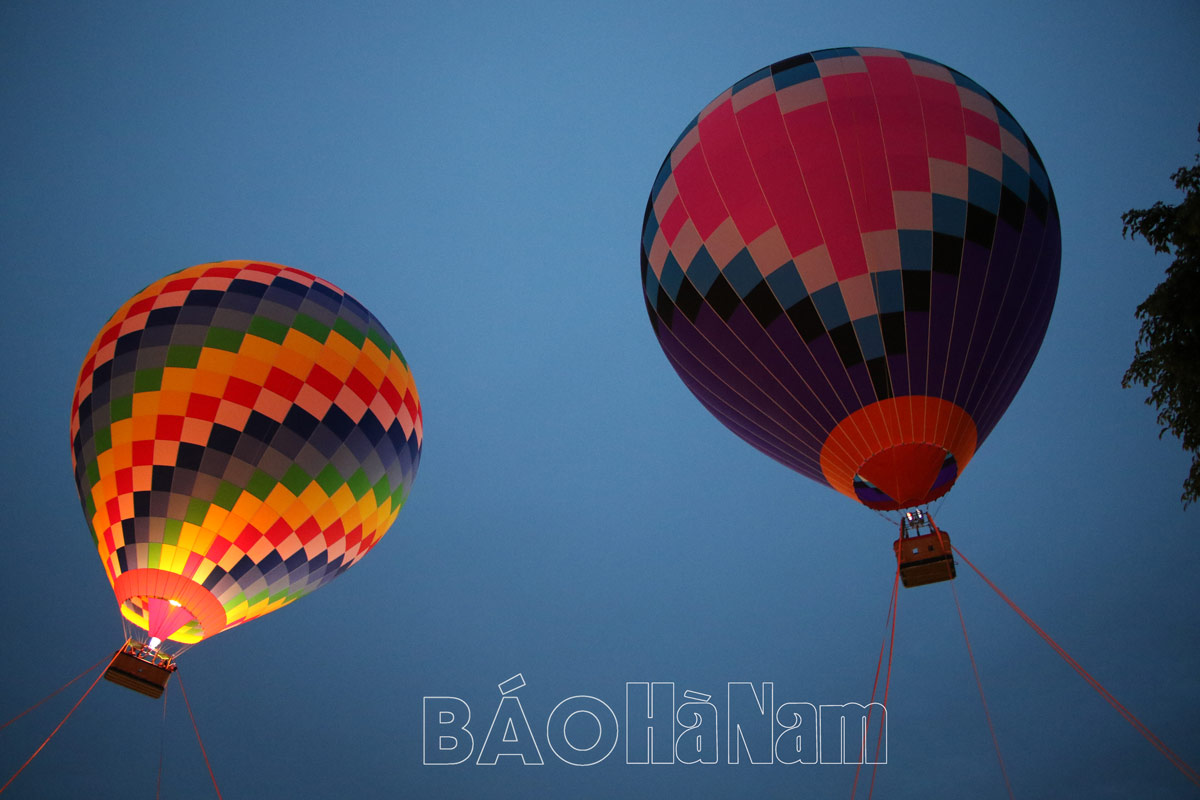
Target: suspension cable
(162, 746)
(889, 634)
(1178, 762)
(59, 725)
(52, 694)
(196, 728)
(982, 698)
(887, 681)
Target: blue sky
(476, 175)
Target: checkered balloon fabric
(850, 257)
(241, 434)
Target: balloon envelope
(241, 434)
(850, 258)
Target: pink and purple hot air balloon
(850, 257)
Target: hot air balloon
(241, 434)
(850, 258)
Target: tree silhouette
(1168, 346)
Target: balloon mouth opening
(169, 606)
(900, 452)
(137, 610)
(905, 476)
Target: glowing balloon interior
(850, 258)
(241, 434)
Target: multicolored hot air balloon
(850, 257)
(241, 434)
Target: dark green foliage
(1168, 346)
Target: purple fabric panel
(743, 370)
(806, 380)
(993, 320)
(720, 383)
(968, 322)
(860, 379)
(780, 379)
(1042, 247)
(898, 368)
(942, 324)
(736, 422)
(916, 328)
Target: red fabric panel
(779, 175)
(981, 127)
(811, 131)
(892, 82)
(733, 173)
(699, 194)
(673, 220)
(943, 119)
(857, 124)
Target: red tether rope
(59, 725)
(889, 639)
(47, 697)
(1179, 763)
(887, 681)
(162, 746)
(982, 698)
(188, 705)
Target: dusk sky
(476, 175)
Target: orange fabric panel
(158, 583)
(914, 431)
